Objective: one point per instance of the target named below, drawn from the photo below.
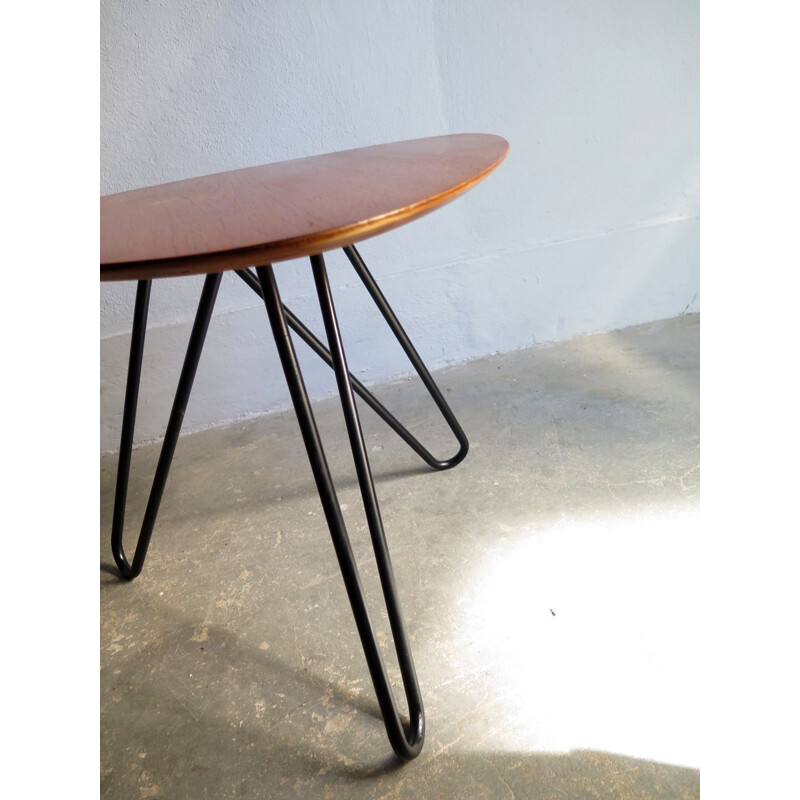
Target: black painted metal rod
(410, 351)
(319, 348)
(188, 372)
(406, 745)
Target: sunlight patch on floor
(589, 631)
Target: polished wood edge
(297, 247)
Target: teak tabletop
(286, 210)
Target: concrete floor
(548, 585)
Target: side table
(256, 216)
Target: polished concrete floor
(548, 583)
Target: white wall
(591, 223)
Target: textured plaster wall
(591, 223)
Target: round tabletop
(286, 210)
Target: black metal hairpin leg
(407, 745)
(394, 324)
(397, 329)
(198, 335)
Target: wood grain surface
(280, 211)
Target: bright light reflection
(589, 633)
